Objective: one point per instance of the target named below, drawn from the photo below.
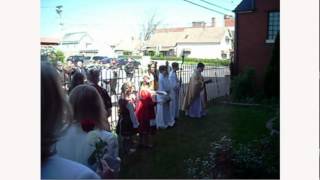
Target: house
(198, 41)
(257, 25)
(48, 45)
(78, 43)
(131, 46)
(49, 42)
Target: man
(163, 117)
(195, 100)
(129, 69)
(81, 69)
(93, 78)
(174, 94)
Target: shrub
(242, 86)
(216, 62)
(257, 159)
(272, 77)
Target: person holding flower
(85, 139)
(55, 110)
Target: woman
(53, 106)
(87, 129)
(145, 112)
(128, 123)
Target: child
(145, 112)
(127, 123)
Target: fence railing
(112, 80)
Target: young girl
(88, 128)
(145, 111)
(127, 123)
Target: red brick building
(257, 25)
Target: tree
(149, 27)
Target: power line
(205, 7)
(216, 5)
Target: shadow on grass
(191, 138)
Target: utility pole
(59, 12)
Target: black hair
(200, 65)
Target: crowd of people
(76, 139)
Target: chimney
(228, 21)
(198, 24)
(213, 22)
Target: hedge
(218, 62)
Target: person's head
(146, 79)
(59, 65)
(175, 66)
(77, 79)
(87, 104)
(200, 67)
(70, 63)
(126, 88)
(153, 68)
(93, 75)
(79, 64)
(163, 70)
(54, 109)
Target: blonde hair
(86, 104)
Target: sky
(115, 20)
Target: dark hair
(174, 65)
(200, 65)
(93, 75)
(162, 68)
(77, 79)
(54, 109)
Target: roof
(245, 5)
(49, 41)
(128, 45)
(170, 37)
(74, 37)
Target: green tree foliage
(242, 86)
(59, 55)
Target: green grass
(191, 138)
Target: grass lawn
(191, 138)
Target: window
(273, 25)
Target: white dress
(59, 168)
(77, 145)
(174, 94)
(163, 116)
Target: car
(122, 61)
(98, 58)
(136, 63)
(76, 58)
(106, 60)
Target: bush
(257, 159)
(242, 86)
(272, 77)
(216, 62)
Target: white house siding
(200, 50)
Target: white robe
(174, 94)
(163, 116)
